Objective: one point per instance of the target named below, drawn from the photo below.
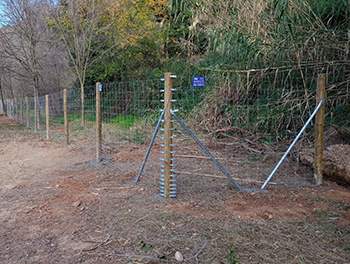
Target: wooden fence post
(47, 117)
(168, 96)
(12, 108)
(98, 123)
(27, 109)
(22, 121)
(82, 99)
(65, 107)
(35, 113)
(15, 110)
(321, 83)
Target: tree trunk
(37, 104)
(2, 100)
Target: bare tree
(78, 23)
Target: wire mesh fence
(259, 106)
(129, 111)
(270, 101)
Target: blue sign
(198, 81)
(100, 87)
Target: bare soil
(59, 206)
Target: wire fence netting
(234, 113)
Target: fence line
(275, 103)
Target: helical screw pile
(172, 185)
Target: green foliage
(322, 213)
(273, 33)
(177, 27)
(224, 40)
(137, 61)
(231, 257)
(72, 116)
(145, 246)
(346, 247)
(333, 13)
(124, 121)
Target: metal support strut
(293, 143)
(206, 151)
(150, 146)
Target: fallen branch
(137, 256)
(251, 149)
(199, 251)
(229, 129)
(194, 157)
(98, 245)
(221, 177)
(142, 218)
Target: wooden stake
(65, 107)
(47, 117)
(35, 113)
(82, 99)
(321, 83)
(27, 109)
(221, 177)
(168, 96)
(22, 122)
(194, 157)
(98, 123)
(15, 109)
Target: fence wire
(267, 104)
(130, 111)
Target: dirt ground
(59, 206)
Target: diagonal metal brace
(293, 143)
(205, 150)
(150, 146)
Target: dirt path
(31, 163)
(59, 206)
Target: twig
(266, 146)
(98, 245)
(141, 218)
(227, 144)
(229, 129)
(199, 251)
(251, 142)
(220, 177)
(137, 256)
(194, 157)
(251, 149)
